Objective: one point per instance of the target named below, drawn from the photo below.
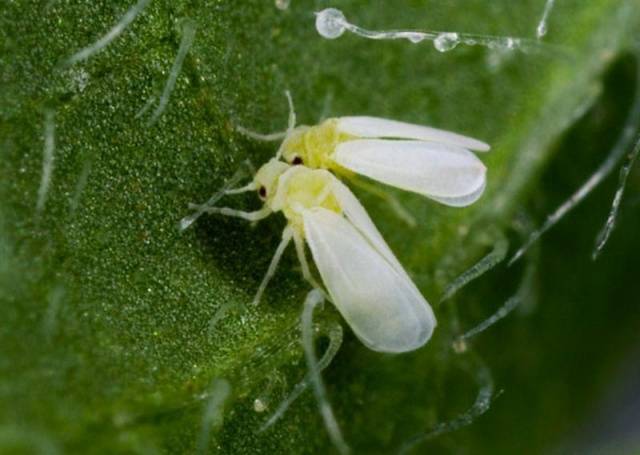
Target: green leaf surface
(115, 326)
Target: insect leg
(226, 189)
(226, 211)
(286, 238)
(302, 257)
(395, 205)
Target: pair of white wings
(432, 162)
(366, 282)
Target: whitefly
(432, 162)
(360, 273)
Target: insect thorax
(314, 145)
(300, 189)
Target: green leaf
(116, 328)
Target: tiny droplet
(330, 23)
(446, 41)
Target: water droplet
(512, 43)
(330, 23)
(282, 4)
(459, 345)
(259, 406)
(415, 37)
(542, 30)
(446, 41)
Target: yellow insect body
(314, 146)
(298, 188)
(432, 162)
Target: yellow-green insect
(361, 275)
(435, 163)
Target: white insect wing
(358, 216)
(461, 201)
(375, 127)
(382, 306)
(444, 172)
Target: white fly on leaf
(362, 277)
(435, 163)
(360, 273)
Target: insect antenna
(226, 189)
(277, 136)
(291, 123)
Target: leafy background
(111, 335)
